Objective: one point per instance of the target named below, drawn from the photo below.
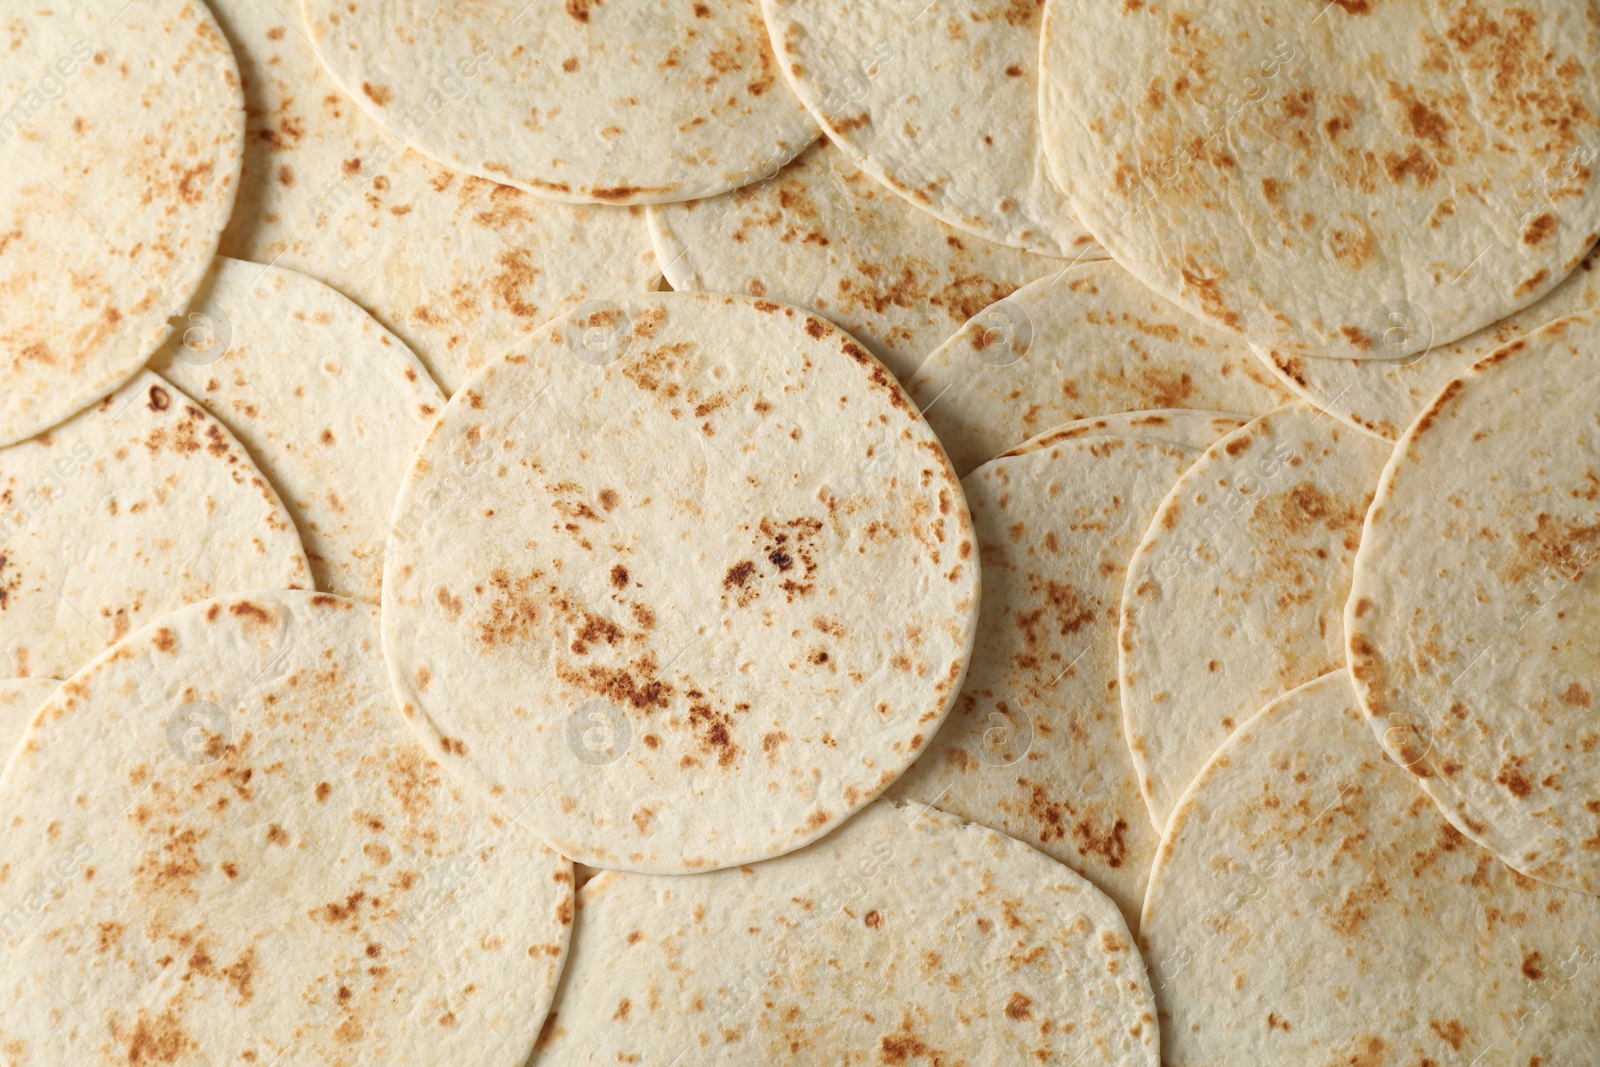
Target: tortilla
(1383, 397)
(937, 102)
(685, 583)
(823, 235)
(1197, 430)
(1236, 593)
(975, 949)
(125, 511)
(459, 268)
(583, 101)
(1476, 600)
(331, 404)
(236, 853)
(1301, 178)
(1035, 747)
(1310, 906)
(20, 699)
(1086, 342)
(122, 144)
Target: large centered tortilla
(1301, 175)
(331, 404)
(1476, 600)
(20, 700)
(686, 582)
(459, 268)
(938, 101)
(907, 937)
(1196, 430)
(130, 509)
(1237, 591)
(824, 235)
(233, 851)
(1088, 341)
(587, 101)
(122, 144)
(1035, 745)
(1311, 907)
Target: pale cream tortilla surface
(20, 699)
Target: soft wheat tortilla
(1237, 591)
(1311, 907)
(906, 937)
(685, 583)
(939, 102)
(1034, 746)
(20, 699)
(590, 102)
(122, 144)
(125, 511)
(459, 268)
(1198, 430)
(1298, 175)
(1088, 341)
(824, 235)
(237, 853)
(1476, 601)
(331, 404)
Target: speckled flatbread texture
(130, 509)
(233, 851)
(460, 268)
(587, 101)
(685, 583)
(20, 699)
(1299, 174)
(938, 101)
(1237, 590)
(1198, 430)
(122, 142)
(331, 405)
(1311, 907)
(1383, 397)
(1035, 746)
(1472, 618)
(824, 235)
(905, 937)
(1088, 341)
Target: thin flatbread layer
(1236, 593)
(122, 148)
(1088, 341)
(1300, 175)
(130, 509)
(1310, 906)
(1383, 397)
(1476, 600)
(1034, 746)
(589, 102)
(245, 857)
(331, 404)
(974, 947)
(1198, 430)
(823, 235)
(936, 101)
(20, 700)
(684, 584)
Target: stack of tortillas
(800, 531)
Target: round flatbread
(685, 583)
(1035, 746)
(1383, 397)
(459, 268)
(1197, 430)
(127, 510)
(1476, 601)
(1088, 341)
(824, 235)
(1310, 906)
(331, 404)
(590, 102)
(975, 949)
(237, 853)
(20, 699)
(1237, 592)
(1301, 177)
(939, 102)
(122, 143)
